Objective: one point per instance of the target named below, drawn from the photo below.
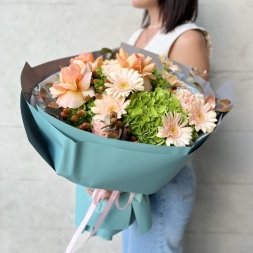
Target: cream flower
(186, 98)
(201, 116)
(110, 66)
(123, 82)
(73, 86)
(97, 128)
(169, 64)
(172, 79)
(108, 104)
(174, 130)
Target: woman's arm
(190, 49)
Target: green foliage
(159, 81)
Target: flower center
(175, 131)
(201, 117)
(123, 84)
(112, 108)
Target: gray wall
(37, 207)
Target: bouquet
(126, 121)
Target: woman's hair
(173, 13)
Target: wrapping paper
(92, 161)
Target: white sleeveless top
(161, 43)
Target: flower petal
(135, 62)
(84, 83)
(57, 92)
(147, 61)
(90, 92)
(71, 99)
(79, 63)
(123, 53)
(122, 62)
(85, 57)
(211, 100)
(149, 68)
(70, 74)
(99, 60)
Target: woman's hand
(107, 194)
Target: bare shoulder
(190, 49)
(190, 38)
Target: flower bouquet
(127, 123)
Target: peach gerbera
(202, 116)
(73, 86)
(174, 130)
(108, 104)
(138, 63)
(123, 82)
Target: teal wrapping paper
(93, 161)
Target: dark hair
(174, 13)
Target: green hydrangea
(159, 81)
(144, 114)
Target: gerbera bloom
(123, 82)
(73, 86)
(174, 130)
(138, 63)
(97, 128)
(108, 104)
(202, 116)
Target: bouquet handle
(97, 195)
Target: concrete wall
(37, 207)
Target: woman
(167, 29)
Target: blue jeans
(171, 209)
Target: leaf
(43, 92)
(224, 108)
(53, 112)
(49, 85)
(37, 96)
(190, 79)
(53, 105)
(113, 55)
(106, 50)
(225, 102)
